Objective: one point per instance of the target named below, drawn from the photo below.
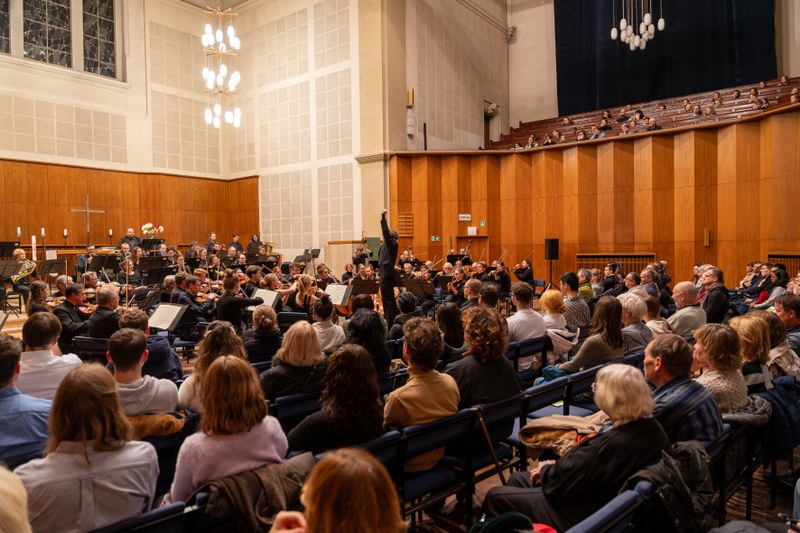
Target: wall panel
(737, 184)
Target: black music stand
(150, 262)
(419, 288)
(155, 276)
(149, 245)
(464, 258)
(7, 249)
(193, 263)
(365, 286)
(321, 284)
(150, 300)
(443, 281)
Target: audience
(715, 302)
(685, 409)
(690, 314)
(93, 474)
(23, 418)
(448, 319)
(235, 432)
(552, 304)
(787, 308)
(525, 323)
(351, 407)
(635, 334)
(138, 394)
(264, 340)
(220, 339)
(41, 370)
(605, 342)
(652, 317)
(162, 360)
(564, 492)
(428, 395)
(366, 330)
(329, 335)
(298, 367)
(783, 361)
(716, 350)
(407, 304)
(13, 504)
(753, 334)
(577, 313)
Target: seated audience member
(188, 328)
(162, 360)
(652, 317)
(525, 323)
(23, 418)
(72, 322)
(330, 335)
(231, 307)
(220, 339)
(138, 394)
(716, 350)
(489, 295)
(787, 308)
(365, 329)
(351, 406)
(485, 374)
(93, 474)
(235, 434)
(40, 369)
(343, 481)
(105, 319)
(715, 302)
(778, 279)
(783, 361)
(690, 314)
(753, 334)
(13, 503)
(585, 289)
(623, 115)
(448, 319)
(652, 125)
(298, 367)
(632, 279)
(428, 395)
(264, 340)
(581, 136)
(597, 282)
(709, 111)
(596, 133)
(472, 291)
(531, 142)
(564, 492)
(552, 305)
(635, 334)
(37, 303)
(577, 313)
(605, 342)
(407, 304)
(648, 281)
(685, 409)
(604, 125)
(696, 110)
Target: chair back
(88, 348)
(287, 318)
(395, 348)
(291, 410)
(425, 437)
(540, 396)
(167, 519)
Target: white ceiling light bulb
(237, 113)
(642, 28)
(209, 116)
(631, 45)
(217, 122)
(223, 69)
(218, 35)
(629, 30)
(237, 121)
(217, 110)
(210, 83)
(228, 117)
(613, 34)
(661, 24)
(636, 41)
(623, 24)
(208, 30)
(648, 18)
(651, 29)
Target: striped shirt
(687, 411)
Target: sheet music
(164, 316)
(269, 297)
(338, 293)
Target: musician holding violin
(232, 303)
(84, 262)
(104, 321)
(128, 276)
(524, 272)
(501, 277)
(188, 328)
(73, 323)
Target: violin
(87, 309)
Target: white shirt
(329, 335)
(67, 494)
(41, 372)
(526, 324)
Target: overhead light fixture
(220, 74)
(636, 36)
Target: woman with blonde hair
(305, 295)
(264, 340)
(93, 474)
(235, 434)
(783, 361)
(13, 504)
(298, 367)
(717, 350)
(753, 334)
(348, 490)
(552, 303)
(220, 339)
(564, 492)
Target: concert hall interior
(474, 128)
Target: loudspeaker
(551, 249)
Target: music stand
(419, 288)
(149, 262)
(340, 294)
(364, 286)
(155, 276)
(271, 298)
(150, 300)
(193, 263)
(7, 248)
(9, 268)
(443, 281)
(167, 316)
(3, 320)
(149, 244)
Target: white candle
(110, 232)
(65, 233)
(33, 240)
(42, 232)
(19, 232)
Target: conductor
(387, 257)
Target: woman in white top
(93, 474)
(330, 335)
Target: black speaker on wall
(551, 249)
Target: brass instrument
(27, 269)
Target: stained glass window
(4, 42)
(99, 51)
(46, 31)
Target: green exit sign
(483, 223)
(436, 238)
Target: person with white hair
(635, 333)
(564, 492)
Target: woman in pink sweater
(235, 434)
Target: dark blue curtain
(706, 45)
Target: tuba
(27, 269)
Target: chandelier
(636, 11)
(220, 75)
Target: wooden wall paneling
(452, 169)
(514, 190)
(426, 223)
(643, 195)
(400, 196)
(570, 234)
(493, 208)
(606, 198)
(687, 232)
(705, 169)
(624, 208)
(479, 201)
(553, 210)
(779, 232)
(537, 229)
(588, 205)
(663, 172)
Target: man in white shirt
(525, 323)
(40, 369)
(690, 314)
(138, 395)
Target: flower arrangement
(151, 231)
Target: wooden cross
(88, 212)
